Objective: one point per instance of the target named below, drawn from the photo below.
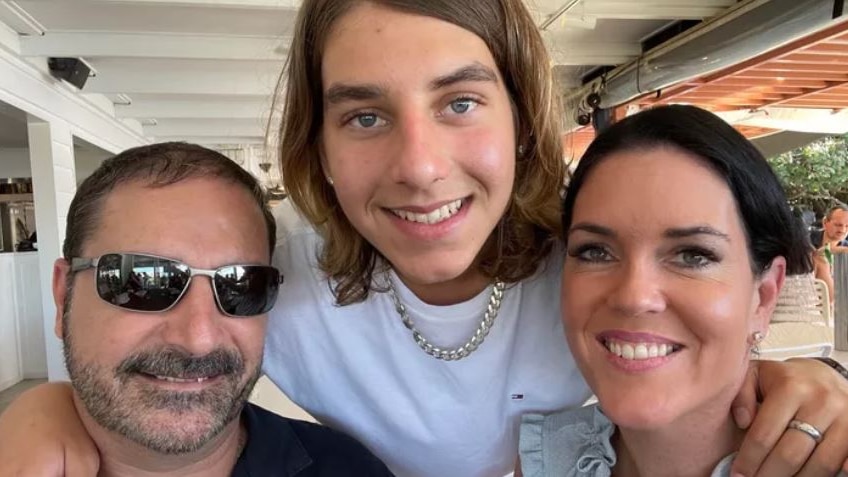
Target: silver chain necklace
(469, 346)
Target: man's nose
(194, 324)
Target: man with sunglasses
(161, 300)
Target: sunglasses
(151, 284)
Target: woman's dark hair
(771, 228)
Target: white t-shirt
(356, 368)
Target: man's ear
(61, 275)
(769, 285)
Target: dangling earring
(330, 181)
(520, 150)
(756, 338)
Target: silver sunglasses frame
(79, 264)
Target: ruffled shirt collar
(575, 443)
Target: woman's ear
(769, 285)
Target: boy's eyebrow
(473, 72)
(339, 93)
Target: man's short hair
(156, 165)
(833, 209)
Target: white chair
(802, 324)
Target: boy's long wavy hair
(530, 227)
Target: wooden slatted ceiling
(811, 72)
(576, 142)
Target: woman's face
(418, 138)
(659, 299)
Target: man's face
(836, 228)
(169, 381)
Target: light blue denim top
(574, 443)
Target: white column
(51, 152)
(840, 280)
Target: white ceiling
(205, 70)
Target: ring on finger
(806, 428)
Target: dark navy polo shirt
(281, 447)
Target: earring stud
(756, 338)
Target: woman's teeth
(638, 351)
(442, 213)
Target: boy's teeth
(442, 213)
(639, 351)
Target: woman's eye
(696, 258)
(591, 253)
(463, 105)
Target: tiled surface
(9, 395)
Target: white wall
(87, 160)
(14, 162)
(30, 328)
(10, 362)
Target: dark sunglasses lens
(247, 290)
(140, 282)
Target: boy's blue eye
(461, 106)
(367, 120)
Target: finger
(772, 418)
(830, 455)
(789, 455)
(744, 406)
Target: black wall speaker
(72, 70)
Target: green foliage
(815, 176)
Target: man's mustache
(172, 362)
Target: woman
(420, 147)
(678, 239)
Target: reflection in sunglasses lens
(246, 290)
(146, 283)
(139, 282)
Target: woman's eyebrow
(683, 232)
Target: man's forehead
(202, 221)
(839, 215)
